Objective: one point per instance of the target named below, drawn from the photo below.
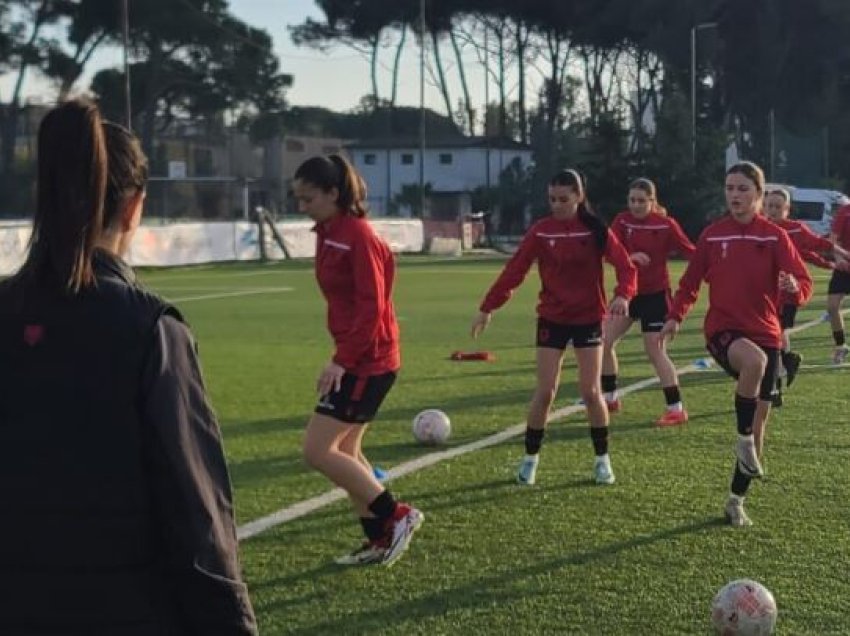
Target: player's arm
(190, 491)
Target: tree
(195, 59)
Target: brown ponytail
(128, 170)
(573, 179)
(335, 171)
(72, 173)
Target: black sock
(373, 528)
(600, 439)
(672, 395)
(383, 506)
(745, 409)
(533, 440)
(609, 383)
(786, 355)
(740, 482)
(839, 337)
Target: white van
(813, 206)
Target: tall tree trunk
(470, 111)
(81, 57)
(151, 97)
(374, 67)
(521, 46)
(396, 65)
(11, 113)
(503, 100)
(444, 87)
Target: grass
(642, 557)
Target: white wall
(193, 243)
(467, 171)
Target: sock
(533, 440)
(785, 356)
(383, 507)
(609, 387)
(745, 410)
(673, 398)
(600, 440)
(839, 338)
(373, 528)
(779, 385)
(740, 482)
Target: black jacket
(117, 507)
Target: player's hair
(70, 194)
(751, 171)
(127, 170)
(648, 186)
(334, 171)
(573, 179)
(780, 192)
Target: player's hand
(788, 283)
(668, 331)
(330, 379)
(842, 265)
(618, 307)
(641, 259)
(480, 323)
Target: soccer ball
(432, 427)
(743, 608)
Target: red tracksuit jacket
(841, 227)
(355, 269)
(809, 245)
(741, 264)
(657, 236)
(570, 266)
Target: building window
(446, 159)
(330, 150)
(370, 158)
(293, 145)
(407, 159)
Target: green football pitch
(644, 556)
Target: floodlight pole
(125, 23)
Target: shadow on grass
(484, 591)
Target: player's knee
(590, 394)
(757, 363)
(545, 394)
(314, 454)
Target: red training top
(841, 227)
(741, 264)
(355, 269)
(657, 236)
(570, 266)
(809, 245)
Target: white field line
(305, 507)
(234, 294)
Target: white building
(451, 166)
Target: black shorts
(554, 336)
(839, 283)
(359, 398)
(788, 316)
(718, 346)
(651, 310)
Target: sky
(337, 78)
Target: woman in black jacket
(118, 515)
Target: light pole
(694, 30)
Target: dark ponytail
(72, 172)
(128, 170)
(335, 171)
(573, 179)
